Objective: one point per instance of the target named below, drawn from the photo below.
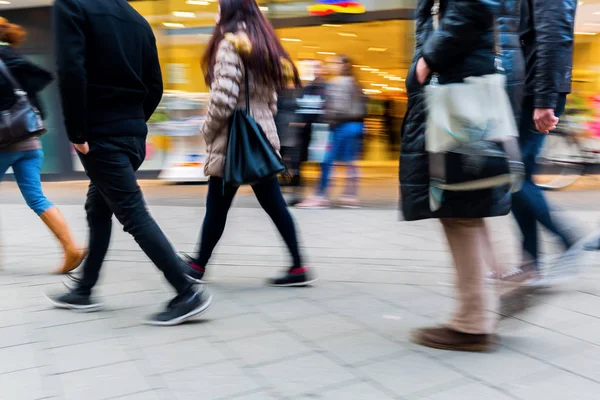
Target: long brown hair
(267, 59)
(12, 34)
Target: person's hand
(545, 120)
(422, 71)
(83, 148)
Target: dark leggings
(218, 203)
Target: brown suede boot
(73, 255)
(444, 338)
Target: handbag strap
(9, 77)
(247, 87)
(435, 11)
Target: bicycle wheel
(560, 163)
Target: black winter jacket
(547, 29)
(462, 46)
(108, 68)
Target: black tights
(218, 203)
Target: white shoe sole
(299, 284)
(177, 321)
(194, 280)
(72, 307)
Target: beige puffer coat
(227, 93)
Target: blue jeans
(529, 205)
(27, 166)
(344, 145)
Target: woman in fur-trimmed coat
(244, 43)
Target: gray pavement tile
(472, 391)
(554, 384)
(152, 336)
(82, 332)
(305, 375)
(585, 364)
(228, 329)
(542, 343)
(49, 317)
(554, 318)
(17, 358)
(104, 382)
(408, 374)
(262, 395)
(12, 318)
(588, 330)
(576, 301)
(17, 335)
(23, 385)
(360, 347)
(267, 348)
(358, 391)
(89, 355)
(180, 355)
(358, 305)
(322, 326)
(155, 394)
(253, 295)
(290, 309)
(497, 368)
(215, 381)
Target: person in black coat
(26, 157)
(462, 46)
(111, 83)
(547, 34)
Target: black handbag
(250, 156)
(22, 121)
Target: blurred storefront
(377, 35)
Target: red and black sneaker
(193, 272)
(295, 277)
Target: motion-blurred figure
(547, 39)
(289, 127)
(111, 83)
(26, 157)
(388, 123)
(345, 110)
(311, 105)
(462, 46)
(244, 43)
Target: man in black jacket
(547, 36)
(111, 83)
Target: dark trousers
(219, 201)
(529, 205)
(111, 165)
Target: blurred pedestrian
(462, 46)
(26, 157)
(345, 110)
(289, 127)
(547, 39)
(111, 83)
(244, 42)
(311, 106)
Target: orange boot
(72, 253)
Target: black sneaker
(74, 301)
(593, 245)
(296, 277)
(193, 272)
(182, 308)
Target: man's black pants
(111, 165)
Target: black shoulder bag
(250, 156)
(22, 120)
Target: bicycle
(568, 153)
